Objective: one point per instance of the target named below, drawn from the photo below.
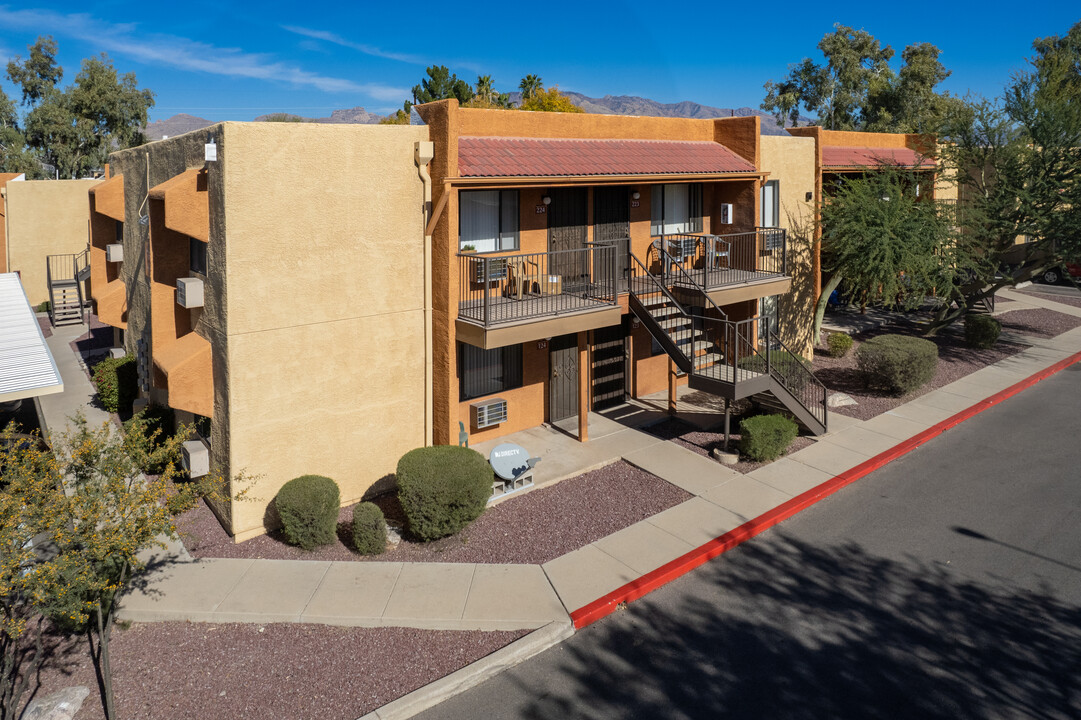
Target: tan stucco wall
(44, 217)
(323, 304)
(791, 160)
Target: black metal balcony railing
(496, 289)
(716, 261)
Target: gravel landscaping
(532, 528)
(703, 441)
(175, 671)
(1041, 323)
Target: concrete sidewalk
(502, 597)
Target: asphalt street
(945, 585)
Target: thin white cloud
(359, 47)
(186, 54)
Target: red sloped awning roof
(535, 157)
(835, 156)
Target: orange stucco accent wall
(4, 178)
(106, 286)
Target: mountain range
(607, 105)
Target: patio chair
(722, 252)
(519, 280)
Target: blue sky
(234, 61)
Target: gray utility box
(189, 292)
(195, 458)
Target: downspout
(423, 152)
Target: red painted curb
(606, 605)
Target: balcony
(730, 268)
(510, 299)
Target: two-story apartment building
(321, 299)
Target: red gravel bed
(176, 671)
(532, 528)
(1042, 323)
(703, 442)
(955, 361)
(1074, 300)
(46, 326)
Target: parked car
(1054, 276)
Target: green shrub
(442, 489)
(45, 306)
(839, 344)
(145, 436)
(898, 363)
(308, 507)
(782, 360)
(765, 437)
(981, 331)
(117, 380)
(369, 529)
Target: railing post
(769, 369)
(487, 288)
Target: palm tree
(530, 85)
(484, 88)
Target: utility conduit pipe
(423, 152)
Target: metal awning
(27, 368)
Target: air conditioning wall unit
(114, 252)
(195, 458)
(189, 292)
(489, 413)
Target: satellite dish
(509, 461)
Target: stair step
(676, 322)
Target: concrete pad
(681, 467)
(273, 591)
(432, 592)
(182, 591)
(862, 440)
(696, 521)
(582, 576)
(790, 477)
(895, 426)
(353, 594)
(829, 458)
(643, 547)
(512, 597)
(838, 422)
(919, 412)
(746, 497)
(973, 392)
(952, 402)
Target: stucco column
(583, 387)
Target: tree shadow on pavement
(783, 629)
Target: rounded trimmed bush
(898, 363)
(369, 529)
(308, 507)
(839, 344)
(442, 489)
(981, 331)
(764, 437)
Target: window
(771, 211)
(120, 232)
(484, 372)
(488, 220)
(197, 255)
(676, 209)
(768, 310)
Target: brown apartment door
(563, 380)
(567, 217)
(612, 223)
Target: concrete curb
(474, 674)
(604, 606)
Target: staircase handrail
(682, 273)
(798, 379)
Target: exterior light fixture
(210, 149)
(635, 195)
(809, 196)
(547, 199)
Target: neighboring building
(45, 218)
(321, 299)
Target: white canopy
(27, 368)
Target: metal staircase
(65, 275)
(720, 356)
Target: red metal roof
(532, 157)
(836, 156)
